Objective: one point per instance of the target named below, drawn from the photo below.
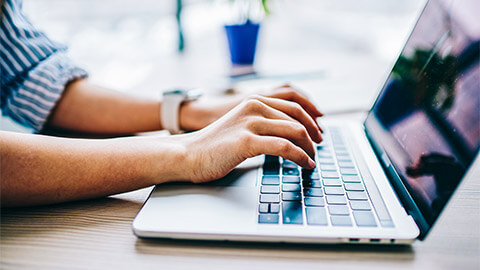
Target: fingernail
(319, 133)
(311, 163)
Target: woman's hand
(200, 113)
(259, 125)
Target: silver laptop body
(385, 180)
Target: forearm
(41, 169)
(85, 107)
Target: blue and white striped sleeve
(34, 70)
(30, 101)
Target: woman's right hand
(259, 125)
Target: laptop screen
(426, 120)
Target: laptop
(383, 181)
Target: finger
(295, 96)
(293, 131)
(291, 94)
(295, 111)
(277, 146)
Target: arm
(86, 107)
(40, 169)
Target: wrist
(195, 115)
(166, 160)
(191, 116)
(173, 101)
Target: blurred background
(338, 51)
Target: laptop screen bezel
(371, 124)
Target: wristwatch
(172, 100)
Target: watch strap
(170, 112)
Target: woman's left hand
(198, 114)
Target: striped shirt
(33, 69)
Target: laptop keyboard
(333, 194)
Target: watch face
(194, 94)
(187, 94)
(179, 92)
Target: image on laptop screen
(427, 117)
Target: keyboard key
(263, 208)
(291, 196)
(351, 178)
(292, 213)
(291, 187)
(323, 146)
(364, 219)
(337, 138)
(354, 187)
(338, 210)
(314, 201)
(356, 195)
(272, 160)
(341, 153)
(270, 180)
(341, 220)
(346, 164)
(360, 205)
(270, 189)
(289, 164)
(340, 148)
(290, 171)
(338, 143)
(344, 158)
(274, 208)
(316, 216)
(326, 167)
(334, 191)
(336, 199)
(332, 182)
(326, 161)
(269, 198)
(330, 174)
(348, 171)
(310, 176)
(271, 171)
(312, 183)
(308, 171)
(271, 165)
(313, 192)
(268, 218)
(291, 179)
(325, 154)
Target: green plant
(245, 8)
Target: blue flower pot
(242, 42)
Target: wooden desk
(98, 233)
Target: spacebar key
(292, 213)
